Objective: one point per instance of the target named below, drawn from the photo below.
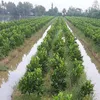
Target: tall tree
(74, 11)
(93, 11)
(64, 12)
(27, 8)
(12, 9)
(39, 10)
(1, 10)
(20, 9)
(24, 9)
(55, 11)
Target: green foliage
(74, 11)
(77, 70)
(14, 33)
(74, 51)
(61, 96)
(32, 82)
(42, 54)
(39, 10)
(59, 79)
(60, 62)
(58, 46)
(45, 44)
(11, 8)
(33, 64)
(86, 89)
(5, 48)
(53, 11)
(89, 26)
(56, 61)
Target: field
(50, 50)
(15, 35)
(56, 71)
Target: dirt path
(16, 55)
(88, 44)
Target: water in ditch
(90, 69)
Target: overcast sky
(84, 4)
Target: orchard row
(89, 26)
(15, 35)
(59, 58)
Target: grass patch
(3, 67)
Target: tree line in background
(93, 11)
(25, 9)
(22, 10)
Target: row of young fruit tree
(13, 34)
(56, 70)
(89, 26)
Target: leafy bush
(33, 64)
(32, 82)
(56, 61)
(61, 96)
(58, 79)
(42, 54)
(86, 89)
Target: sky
(60, 4)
